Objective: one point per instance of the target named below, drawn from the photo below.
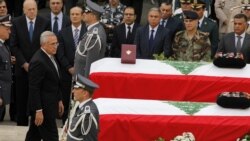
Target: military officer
(207, 25)
(5, 63)
(86, 115)
(223, 13)
(185, 6)
(191, 44)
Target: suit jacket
(93, 133)
(44, 85)
(66, 49)
(227, 45)
(5, 73)
(20, 42)
(161, 44)
(119, 38)
(83, 62)
(211, 27)
(65, 21)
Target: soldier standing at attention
(191, 44)
(84, 124)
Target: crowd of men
(84, 32)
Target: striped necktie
(76, 37)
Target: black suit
(45, 94)
(65, 21)
(65, 56)
(24, 49)
(227, 45)
(161, 43)
(119, 38)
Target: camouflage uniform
(113, 17)
(196, 49)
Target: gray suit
(5, 75)
(92, 135)
(94, 50)
(227, 45)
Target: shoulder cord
(86, 44)
(81, 121)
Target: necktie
(31, 29)
(238, 44)
(55, 26)
(151, 40)
(129, 36)
(198, 25)
(54, 62)
(76, 37)
(163, 23)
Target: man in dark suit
(207, 25)
(92, 47)
(66, 53)
(5, 64)
(125, 32)
(57, 19)
(45, 98)
(24, 41)
(167, 21)
(237, 41)
(83, 92)
(153, 38)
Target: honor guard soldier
(93, 44)
(84, 124)
(5, 63)
(191, 44)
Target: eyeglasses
(128, 14)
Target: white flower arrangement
(186, 136)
